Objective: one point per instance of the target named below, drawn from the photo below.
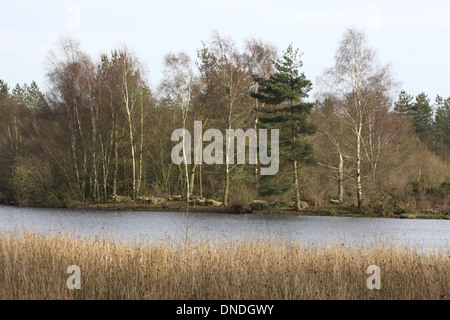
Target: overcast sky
(414, 36)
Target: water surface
(141, 226)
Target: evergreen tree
(419, 111)
(442, 124)
(422, 114)
(3, 89)
(283, 93)
(34, 97)
(404, 104)
(19, 92)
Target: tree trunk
(296, 186)
(139, 183)
(227, 185)
(256, 172)
(341, 178)
(73, 146)
(84, 163)
(116, 155)
(358, 169)
(295, 175)
(133, 149)
(186, 168)
(105, 168)
(200, 182)
(133, 155)
(188, 189)
(94, 117)
(193, 168)
(227, 167)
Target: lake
(138, 225)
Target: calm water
(130, 226)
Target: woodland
(102, 130)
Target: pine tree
(418, 110)
(422, 113)
(35, 98)
(283, 93)
(4, 90)
(404, 104)
(442, 124)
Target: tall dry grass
(34, 267)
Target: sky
(412, 36)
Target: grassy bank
(35, 267)
(174, 206)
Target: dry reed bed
(35, 267)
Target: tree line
(102, 130)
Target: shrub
(281, 204)
(34, 184)
(237, 207)
(124, 200)
(259, 206)
(385, 205)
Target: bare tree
(177, 84)
(234, 79)
(70, 72)
(130, 88)
(359, 81)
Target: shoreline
(178, 206)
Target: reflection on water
(134, 225)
